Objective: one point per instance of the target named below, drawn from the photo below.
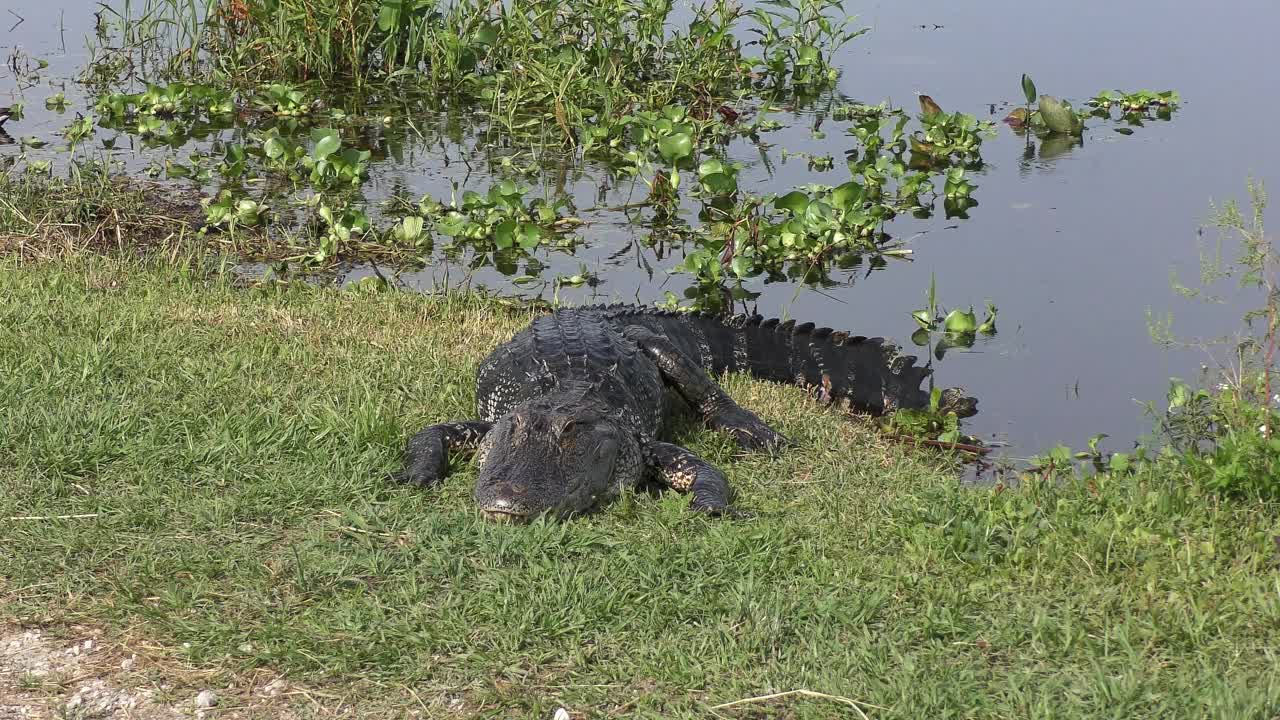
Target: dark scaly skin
(574, 408)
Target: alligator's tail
(867, 374)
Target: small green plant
(958, 328)
(500, 217)
(330, 164)
(337, 224)
(948, 137)
(56, 102)
(798, 38)
(1051, 116)
(229, 211)
(1136, 105)
(78, 130)
(935, 423)
(283, 100)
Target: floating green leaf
(327, 142)
(795, 201)
(675, 147)
(959, 322)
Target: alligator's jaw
(501, 516)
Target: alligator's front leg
(426, 457)
(685, 472)
(704, 395)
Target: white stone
(206, 699)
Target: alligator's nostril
(507, 490)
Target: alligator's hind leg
(686, 472)
(426, 457)
(704, 395)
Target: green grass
(234, 443)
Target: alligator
(578, 405)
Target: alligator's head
(548, 458)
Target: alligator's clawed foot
(416, 478)
(954, 400)
(750, 432)
(724, 512)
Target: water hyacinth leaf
(1016, 118)
(273, 148)
(847, 196)
(504, 233)
(720, 184)
(920, 337)
(507, 188)
(808, 55)
(710, 167)
(411, 228)
(675, 147)
(1028, 88)
(928, 107)
(530, 236)
(327, 142)
(741, 265)
(988, 326)
(795, 202)
(247, 212)
(960, 322)
(1059, 117)
(453, 224)
(818, 214)
(924, 319)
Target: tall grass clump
(580, 57)
(1227, 433)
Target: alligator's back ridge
(868, 373)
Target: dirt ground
(74, 674)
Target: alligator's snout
(504, 517)
(504, 505)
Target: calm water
(1074, 249)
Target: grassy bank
(223, 452)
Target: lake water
(1075, 248)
